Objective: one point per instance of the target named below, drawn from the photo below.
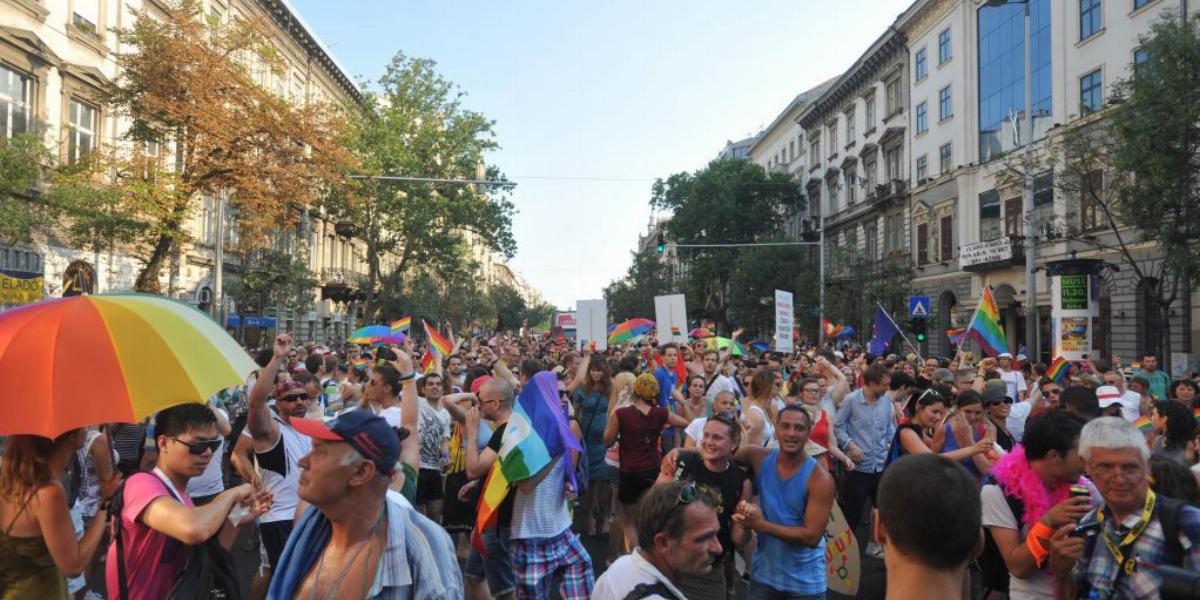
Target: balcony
(990, 255)
(885, 193)
(342, 285)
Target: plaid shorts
(557, 562)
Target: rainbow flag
(427, 363)
(985, 325)
(1196, 415)
(437, 343)
(676, 331)
(402, 324)
(1143, 424)
(536, 434)
(360, 363)
(831, 330)
(629, 330)
(1057, 370)
(956, 336)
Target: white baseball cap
(1004, 355)
(1108, 396)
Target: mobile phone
(1079, 491)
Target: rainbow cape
(1057, 370)
(985, 325)
(437, 343)
(536, 434)
(402, 324)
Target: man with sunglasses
(278, 447)
(678, 535)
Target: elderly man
(1132, 533)
(678, 534)
(356, 540)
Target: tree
(1130, 176)
(181, 86)
(22, 165)
(415, 126)
(729, 201)
(857, 282)
(757, 274)
(632, 296)
(272, 276)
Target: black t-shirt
(506, 507)
(725, 487)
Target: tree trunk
(147, 279)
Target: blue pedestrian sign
(918, 306)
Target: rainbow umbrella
(629, 330)
(720, 343)
(760, 346)
(109, 358)
(376, 334)
(701, 333)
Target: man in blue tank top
(796, 497)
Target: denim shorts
(497, 567)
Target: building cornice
(875, 60)
(291, 22)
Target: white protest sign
(671, 318)
(784, 318)
(592, 323)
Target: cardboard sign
(784, 318)
(671, 318)
(591, 321)
(842, 567)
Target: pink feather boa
(1019, 481)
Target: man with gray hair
(1119, 545)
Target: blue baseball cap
(377, 441)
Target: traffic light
(917, 326)
(661, 243)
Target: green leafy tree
(271, 276)
(729, 201)
(414, 125)
(757, 274)
(23, 160)
(632, 296)
(856, 283)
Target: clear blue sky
(605, 89)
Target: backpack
(993, 569)
(210, 572)
(645, 590)
(1168, 518)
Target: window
(945, 159)
(14, 103)
(831, 133)
(894, 100)
(81, 130)
(989, 215)
(850, 129)
(1140, 58)
(851, 185)
(1013, 218)
(872, 176)
(870, 113)
(1001, 75)
(1091, 18)
(944, 46)
(922, 124)
(1091, 197)
(1140, 3)
(892, 162)
(871, 239)
(947, 226)
(1091, 92)
(791, 151)
(923, 243)
(86, 15)
(892, 229)
(922, 68)
(944, 109)
(814, 151)
(922, 168)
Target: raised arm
(410, 414)
(450, 403)
(477, 463)
(262, 427)
(581, 372)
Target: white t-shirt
(695, 429)
(390, 414)
(627, 573)
(1014, 381)
(721, 384)
(996, 513)
(433, 428)
(1016, 418)
(210, 481)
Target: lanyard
(1118, 551)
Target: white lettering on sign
(980, 253)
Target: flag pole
(967, 331)
(900, 331)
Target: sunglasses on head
(199, 447)
(687, 495)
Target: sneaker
(875, 549)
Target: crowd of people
(357, 472)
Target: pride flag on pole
(427, 363)
(536, 434)
(439, 344)
(1057, 370)
(956, 336)
(985, 325)
(402, 324)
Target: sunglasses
(1000, 401)
(198, 448)
(1051, 392)
(292, 398)
(687, 495)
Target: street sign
(918, 306)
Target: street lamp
(1031, 308)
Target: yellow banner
(20, 288)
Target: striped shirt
(419, 562)
(1100, 570)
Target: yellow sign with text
(20, 288)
